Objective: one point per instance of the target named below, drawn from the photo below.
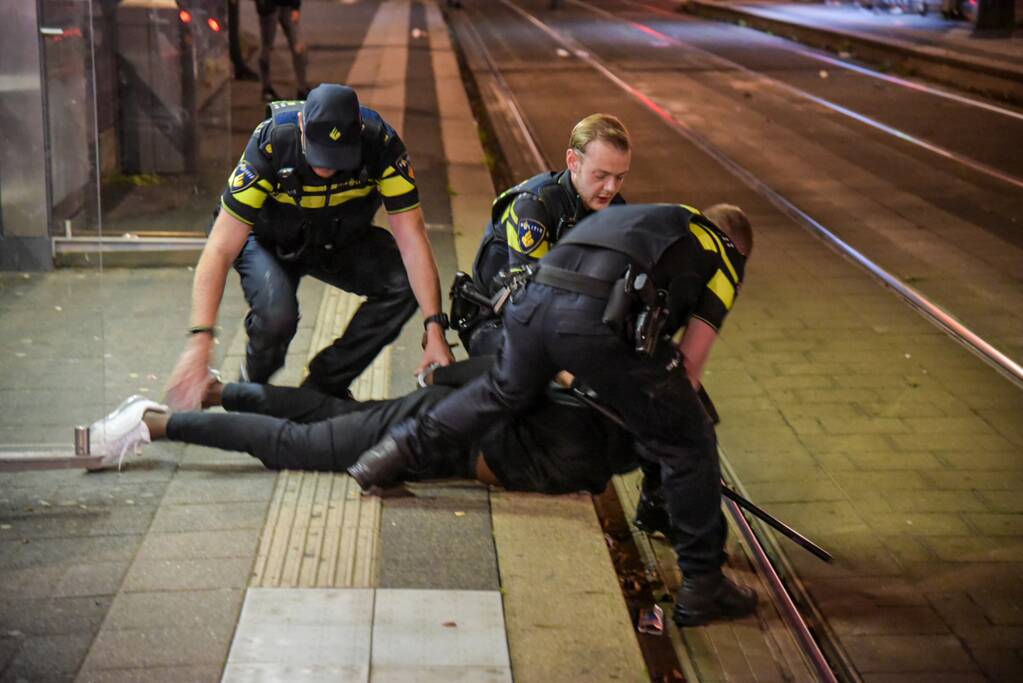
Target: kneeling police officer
(601, 306)
(528, 219)
(301, 202)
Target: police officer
(528, 219)
(301, 202)
(588, 310)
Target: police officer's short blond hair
(600, 127)
(734, 222)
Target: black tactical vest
(641, 232)
(492, 255)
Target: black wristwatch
(439, 318)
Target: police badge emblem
(404, 168)
(244, 177)
(531, 234)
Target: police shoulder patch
(531, 234)
(404, 168)
(244, 177)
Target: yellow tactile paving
(320, 532)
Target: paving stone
(964, 549)
(854, 483)
(1004, 501)
(153, 674)
(861, 618)
(221, 516)
(200, 545)
(39, 616)
(160, 647)
(999, 664)
(917, 523)
(201, 609)
(216, 488)
(938, 501)
(94, 578)
(997, 524)
(188, 575)
(909, 653)
(50, 657)
(929, 677)
(902, 460)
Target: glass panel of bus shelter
(52, 352)
(163, 113)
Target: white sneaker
(122, 431)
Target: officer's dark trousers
(550, 329)
(296, 428)
(370, 266)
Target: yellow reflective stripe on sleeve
(691, 209)
(405, 210)
(511, 235)
(539, 252)
(704, 236)
(253, 197)
(395, 186)
(265, 184)
(227, 208)
(722, 288)
(724, 256)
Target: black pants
(370, 266)
(296, 428)
(549, 329)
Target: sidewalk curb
(969, 73)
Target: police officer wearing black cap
(529, 218)
(602, 306)
(301, 202)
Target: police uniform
(306, 225)
(549, 328)
(525, 222)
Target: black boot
(651, 517)
(712, 597)
(382, 465)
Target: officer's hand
(188, 381)
(294, 16)
(436, 349)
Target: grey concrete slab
(303, 635)
(209, 517)
(439, 634)
(153, 674)
(194, 608)
(199, 544)
(187, 575)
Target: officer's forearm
(417, 255)
(223, 246)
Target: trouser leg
(665, 414)
(270, 289)
(371, 267)
(291, 403)
(518, 378)
(296, 47)
(267, 33)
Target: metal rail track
(761, 557)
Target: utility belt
(636, 310)
(312, 240)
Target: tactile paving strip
(320, 532)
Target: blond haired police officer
(529, 218)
